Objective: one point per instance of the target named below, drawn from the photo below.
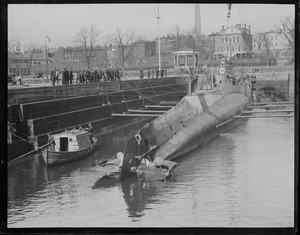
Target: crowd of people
(86, 76)
(98, 75)
(154, 72)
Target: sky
(61, 22)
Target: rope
(152, 87)
(21, 138)
(109, 103)
(124, 98)
(141, 95)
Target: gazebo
(185, 58)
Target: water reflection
(138, 195)
(232, 180)
(106, 181)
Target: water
(244, 178)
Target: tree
(178, 36)
(31, 50)
(124, 43)
(86, 39)
(263, 43)
(287, 27)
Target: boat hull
(53, 158)
(195, 120)
(205, 127)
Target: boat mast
(158, 17)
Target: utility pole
(47, 37)
(158, 17)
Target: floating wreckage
(198, 118)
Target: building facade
(76, 54)
(169, 44)
(18, 64)
(275, 41)
(233, 41)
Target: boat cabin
(72, 140)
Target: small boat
(70, 145)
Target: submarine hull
(195, 120)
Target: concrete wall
(17, 95)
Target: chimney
(249, 29)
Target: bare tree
(31, 50)
(86, 39)
(178, 35)
(124, 43)
(264, 45)
(287, 27)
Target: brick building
(75, 54)
(169, 44)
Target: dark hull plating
(195, 120)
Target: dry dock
(36, 111)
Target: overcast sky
(32, 22)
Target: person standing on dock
(64, 75)
(152, 73)
(51, 142)
(157, 72)
(71, 76)
(52, 77)
(149, 74)
(56, 76)
(161, 73)
(67, 76)
(141, 73)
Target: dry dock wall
(17, 95)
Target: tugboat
(199, 117)
(68, 146)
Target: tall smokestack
(197, 29)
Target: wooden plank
(168, 102)
(264, 116)
(272, 106)
(158, 106)
(269, 111)
(133, 115)
(145, 111)
(282, 102)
